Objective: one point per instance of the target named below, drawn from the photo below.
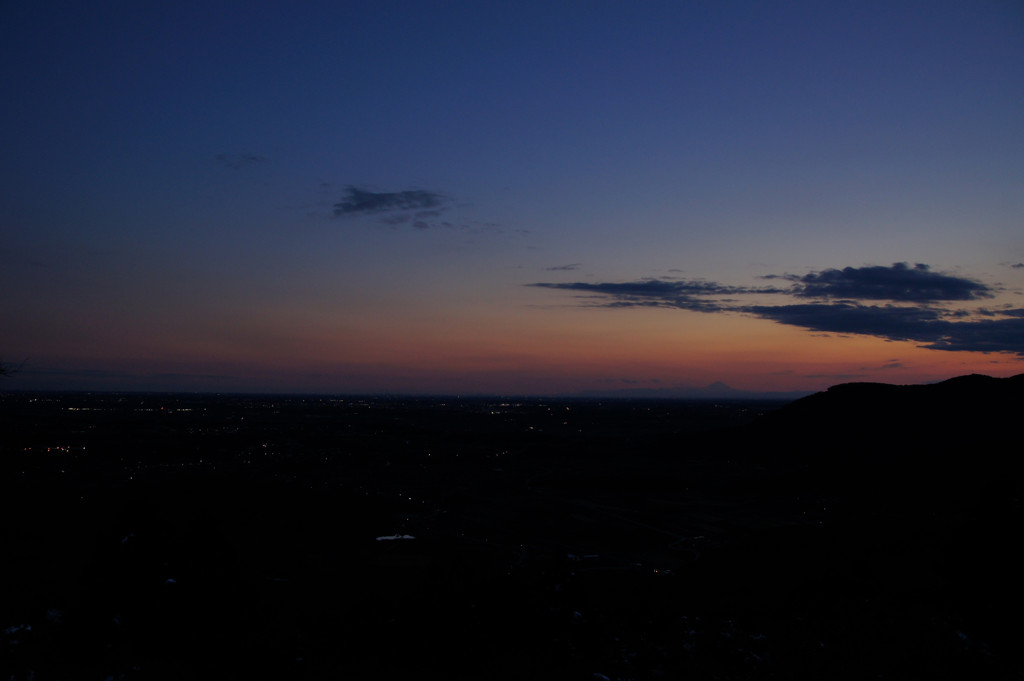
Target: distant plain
(201, 536)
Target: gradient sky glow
(530, 197)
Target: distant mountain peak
(718, 385)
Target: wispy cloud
(358, 201)
(913, 310)
(563, 268)
(704, 296)
(419, 209)
(416, 209)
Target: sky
(510, 198)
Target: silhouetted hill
(919, 487)
(966, 411)
(953, 438)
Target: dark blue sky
(172, 173)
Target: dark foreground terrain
(867, 532)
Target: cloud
(684, 295)
(900, 282)
(928, 326)
(913, 311)
(893, 322)
(985, 335)
(563, 268)
(358, 202)
(1018, 266)
(419, 209)
(655, 292)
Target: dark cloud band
(900, 282)
(928, 326)
(911, 315)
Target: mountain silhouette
(967, 412)
(909, 449)
(917, 494)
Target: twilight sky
(534, 197)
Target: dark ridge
(922, 481)
(902, 444)
(958, 411)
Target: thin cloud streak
(684, 295)
(358, 202)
